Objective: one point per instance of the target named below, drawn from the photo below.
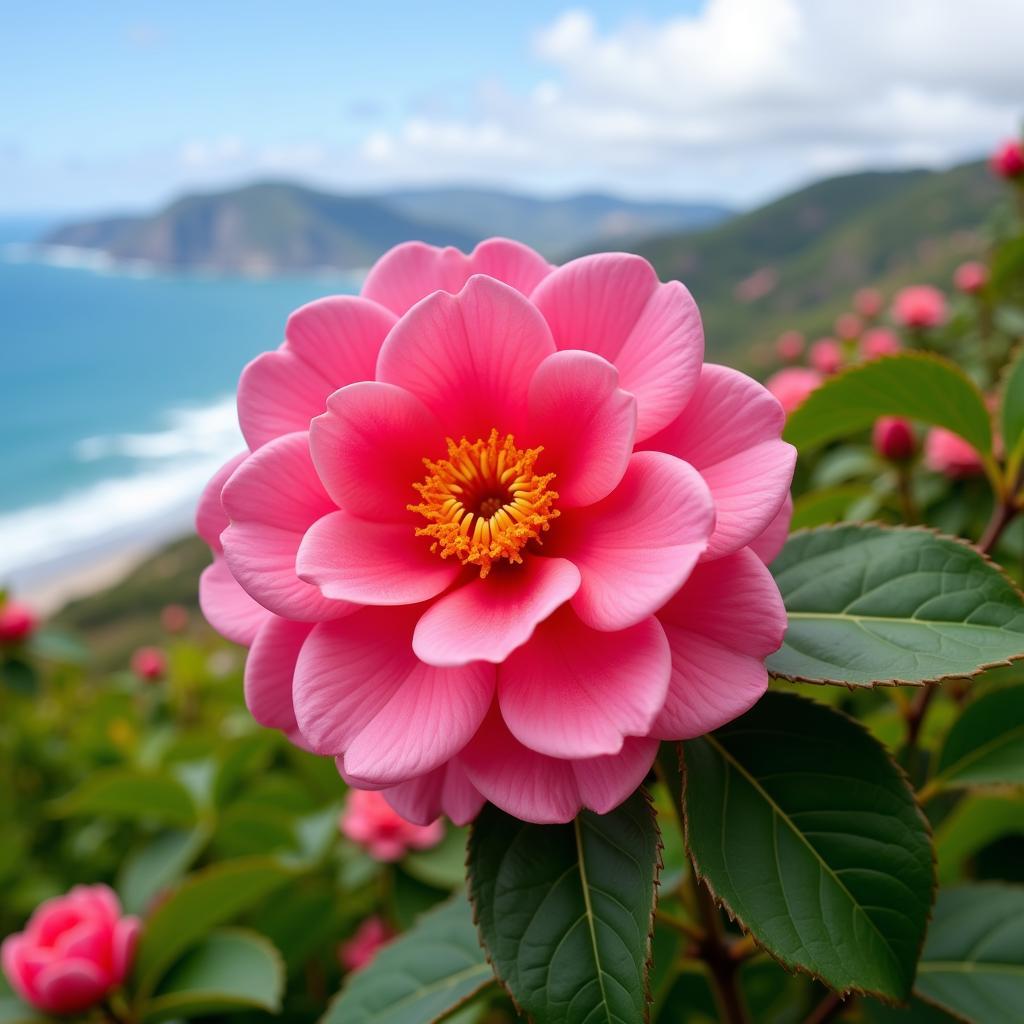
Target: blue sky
(124, 105)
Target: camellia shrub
(573, 694)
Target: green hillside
(813, 248)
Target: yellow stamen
(485, 501)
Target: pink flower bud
(971, 277)
(174, 618)
(17, 621)
(826, 355)
(149, 664)
(370, 821)
(849, 326)
(919, 306)
(792, 385)
(360, 950)
(949, 454)
(73, 951)
(868, 302)
(790, 346)
(1008, 160)
(893, 438)
(880, 341)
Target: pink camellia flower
(826, 355)
(878, 342)
(1008, 160)
(893, 438)
(149, 664)
(360, 950)
(919, 306)
(792, 385)
(849, 326)
(868, 302)
(949, 454)
(971, 277)
(790, 346)
(370, 821)
(491, 538)
(73, 951)
(17, 621)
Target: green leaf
(871, 604)
(14, 1011)
(975, 822)
(816, 508)
(124, 793)
(158, 864)
(916, 385)
(431, 970)
(566, 910)
(19, 676)
(230, 970)
(444, 865)
(808, 834)
(1012, 410)
(205, 900)
(985, 747)
(973, 961)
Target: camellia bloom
(971, 277)
(360, 950)
(790, 346)
(868, 302)
(73, 951)
(878, 342)
(492, 538)
(849, 326)
(919, 306)
(17, 621)
(370, 821)
(949, 454)
(1008, 160)
(893, 438)
(149, 664)
(792, 385)
(826, 355)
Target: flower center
(485, 501)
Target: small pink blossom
(792, 385)
(370, 821)
(868, 302)
(949, 454)
(878, 342)
(919, 306)
(790, 346)
(174, 618)
(360, 950)
(149, 664)
(893, 438)
(826, 355)
(1008, 160)
(849, 326)
(73, 951)
(17, 621)
(971, 277)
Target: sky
(123, 106)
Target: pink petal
(359, 689)
(635, 548)
(773, 540)
(352, 559)
(16, 967)
(125, 941)
(369, 447)
(547, 790)
(328, 344)
(469, 357)
(272, 499)
(445, 790)
(87, 940)
(414, 270)
(731, 431)
(227, 607)
(721, 626)
(613, 304)
(585, 422)
(67, 986)
(211, 519)
(269, 670)
(487, 619)
(576, 692)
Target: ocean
(117, 398)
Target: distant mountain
(796, 261)
(273, 227)
(557, 226)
